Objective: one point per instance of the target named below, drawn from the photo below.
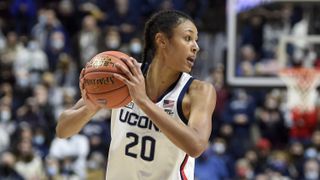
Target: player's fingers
(82, 73)
(121, 78)
(130, 65)
(81, 82)
(126, 71)
(138, 65)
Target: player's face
(183, 47)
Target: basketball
(100, 85)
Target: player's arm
(73, 119)
(192, 138)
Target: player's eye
(188, 38)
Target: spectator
(112, 39)
(24, 14)
(38, 62)
(7, 171)
(66, 72)
(239, 112)
(125, 19)
(88, 39)
(28, 164)
(271, 122)
(311, 170)
(98, 132)
(135, 48)
(56, 47)
(72, 153)
(216, 77)
(243, 169)
(212, 165)
(46, 25)
(252, 33)
(296, 151)
(248, 60)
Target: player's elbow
(61, 132)
(197, 149)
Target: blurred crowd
(262, 31)
(44, 45)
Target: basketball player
(168, 123)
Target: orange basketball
(100, 85)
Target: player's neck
(158, 80)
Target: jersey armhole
(180, 98)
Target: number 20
(144, 142)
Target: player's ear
(160, 40)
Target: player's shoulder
(198, 86)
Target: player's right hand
(89, 103)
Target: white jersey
(139, 150)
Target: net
(301, 87)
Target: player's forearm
(71, 121)
(183, 136)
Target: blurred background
(261, 129)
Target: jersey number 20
(148, 144)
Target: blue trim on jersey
(172, 86)
(179, 103)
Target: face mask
(219, 148)
(57, 44)
(33, 46)
(312, 175)
(42, 19)
(5, 116)
(112, 43)
(39, 139)
(23, 82)
(135, 48)
(52, 170)
(2, 43)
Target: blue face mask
(51, 170)
(5, 116)
(39, 139)
(135, 47)
(57, 44)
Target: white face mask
(33, 46)
(312, 175)
(57, 44)
(112, 43)
(52, 170)
(219, 148)
(39, 139)
(5, 116)
(135, 47)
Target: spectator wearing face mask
(38, 61)
(112, 39)
(56, 47)
(135, 48)
(213, 164)
(88, 39)
(311, 170)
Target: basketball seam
(103, 92)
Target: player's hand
(89, 103)
(133, 78)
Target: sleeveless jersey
(139, 150)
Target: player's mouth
(191, 60)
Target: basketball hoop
(301, 85)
